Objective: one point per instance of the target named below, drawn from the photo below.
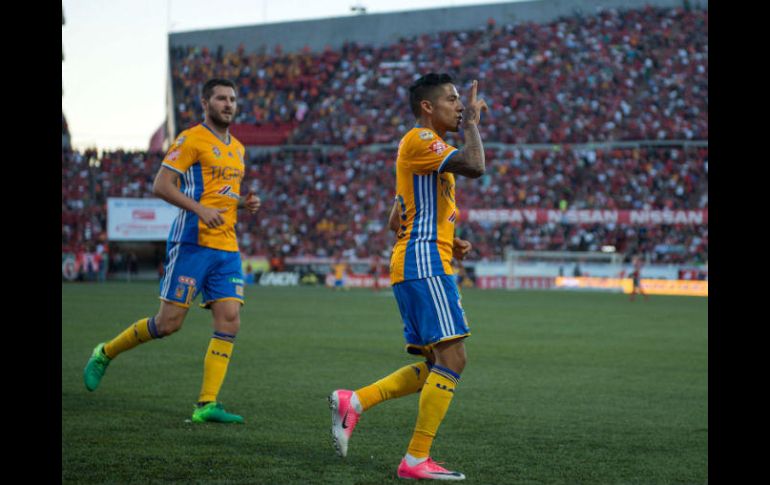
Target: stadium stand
(564, 96)
(631, 75)
(308, 198)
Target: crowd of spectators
(272, 88)
(88, 178)
(335, 202)
(648, 178)
(617, 75)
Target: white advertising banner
(139, 219)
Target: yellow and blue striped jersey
(210, 172)
(426, 198)
(339, 270)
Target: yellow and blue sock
(435, 398)
(139, 332)
(406, 380)
(215, 366)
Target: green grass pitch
(560, 388)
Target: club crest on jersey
(180, 140)
(230, 154)
(426, 135)
(438, 147)
(173, 155)
(217, 152)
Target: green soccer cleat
(213, 412)
(94, 371)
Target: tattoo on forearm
(474, 147)
(469, 161)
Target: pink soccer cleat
(344, 419)
(427, 470)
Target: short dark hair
(425, 89)
(208, 88)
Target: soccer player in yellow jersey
(340, 268)
(424, 216)
(201, 174)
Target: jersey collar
(217, 136)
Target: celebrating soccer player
(201, 174)
(424, 216)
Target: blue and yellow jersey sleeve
(210, 172)
(426, 201)
(181, 156)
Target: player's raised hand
(211, 216)
(472, 112)
(253, 202)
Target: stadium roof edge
(354, 17)
(382, 28)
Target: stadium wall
(384, 28)
(603, 270)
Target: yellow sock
(406, 380)
(215, 366)
(137, 333)
(435, 398)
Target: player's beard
(454, 126)
(218, 121)
(452, 122)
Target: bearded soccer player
(202, 175)
(424, 216)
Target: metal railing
(376, 147)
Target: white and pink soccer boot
(427, 470)
(344, 419)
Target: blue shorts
(431, 311)
(191, 269)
